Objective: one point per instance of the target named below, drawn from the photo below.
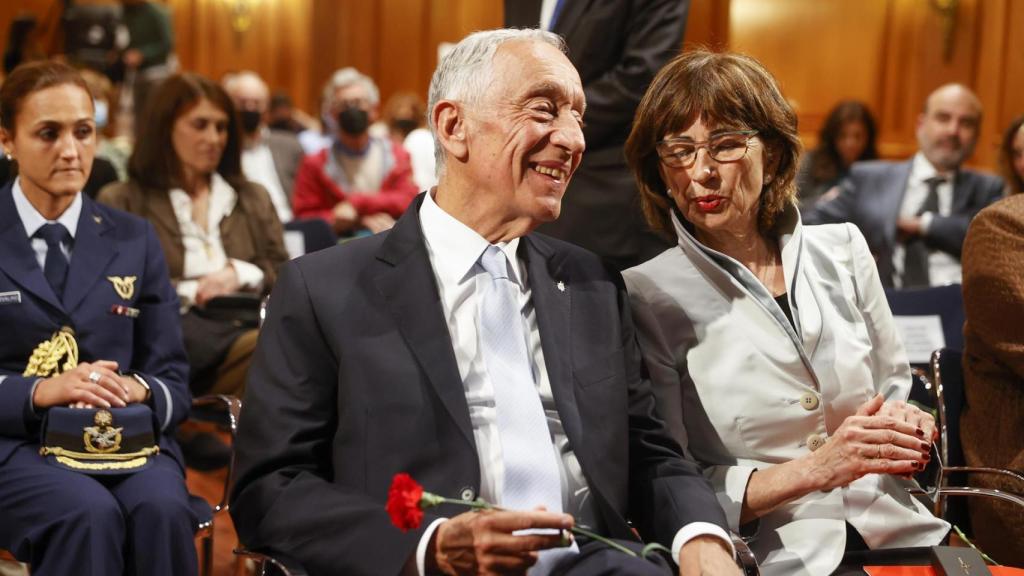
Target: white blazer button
(809, 400)
(468, 495)
(815, 441)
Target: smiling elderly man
(481, 358)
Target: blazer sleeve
(890, 366)
(284, 499)
(158, 352)
(312, 196)
(839, 209)
(947, 233)
(654, 35)
(667, 491)
(729, 482)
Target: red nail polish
(920, 432)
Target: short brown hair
(153, 162)
(30, 78)
(728, 89)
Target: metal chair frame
(231, 408)
(939, 493)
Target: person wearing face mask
(405, 116)
(914, 214)
(269, 157)
(362, 182)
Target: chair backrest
(316, 233)
(946, 302)
(948, 380)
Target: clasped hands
(482, 542)
(880, 438)
(88, 385)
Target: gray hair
(231, 82)
(464, 73)
(347, 77)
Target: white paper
(921, 336)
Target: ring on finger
(94, 377)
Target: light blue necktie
(531, 470)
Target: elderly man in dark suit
(481, 358)
(914, 214)
(617, 46)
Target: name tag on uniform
(121, 310)
(12, 297)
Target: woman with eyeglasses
(770, 345)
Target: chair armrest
(985, 470)
(744, 556)
(226, 410)
(271, 563)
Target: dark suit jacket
(617, 46)
(871, 197)
(108, 243)
(355, 380)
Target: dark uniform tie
(56, 266)
(915, 265)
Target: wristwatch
(142, 382)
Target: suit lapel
(551, 293)
(963, 190)
(409, 287)
(897, 189)
(17, 259)
(93, 250)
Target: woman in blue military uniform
(66, 261)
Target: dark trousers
(63, 522)
(597, 559)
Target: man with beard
(361, 182)
(269, 157)
(914, 214)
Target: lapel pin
(560, 286)
(97, 219)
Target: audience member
(219, 231)
(617, 46)
(149, 57)
(361, 182)
(442, 349)
(110, 146)
(269, 158)
(60, 254)
(770, 344)
(406, 118)
(992, 423)
(914, 214)
(282, 114)
(1012, 157)
(847, 136)
(22, 42)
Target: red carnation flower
(404, 502)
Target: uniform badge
(123, 285)
(102, 438)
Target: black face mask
(353, 121)
(250, 120)
(405, 125)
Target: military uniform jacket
(108, 244)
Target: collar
(223, 199)
(921, 169)
(32, 220)
(456, 247)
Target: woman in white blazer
(770, 345)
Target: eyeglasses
(723, 147)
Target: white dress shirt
(942, 268)
(204, 250)
(33, 221)
(453, 249)
(258, 166)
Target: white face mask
(102, 114)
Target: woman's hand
(872, 441)
(912, 415)
(219, 283)
(75, 387)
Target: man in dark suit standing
(481, 358)
(617, 46)
(914, 214)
